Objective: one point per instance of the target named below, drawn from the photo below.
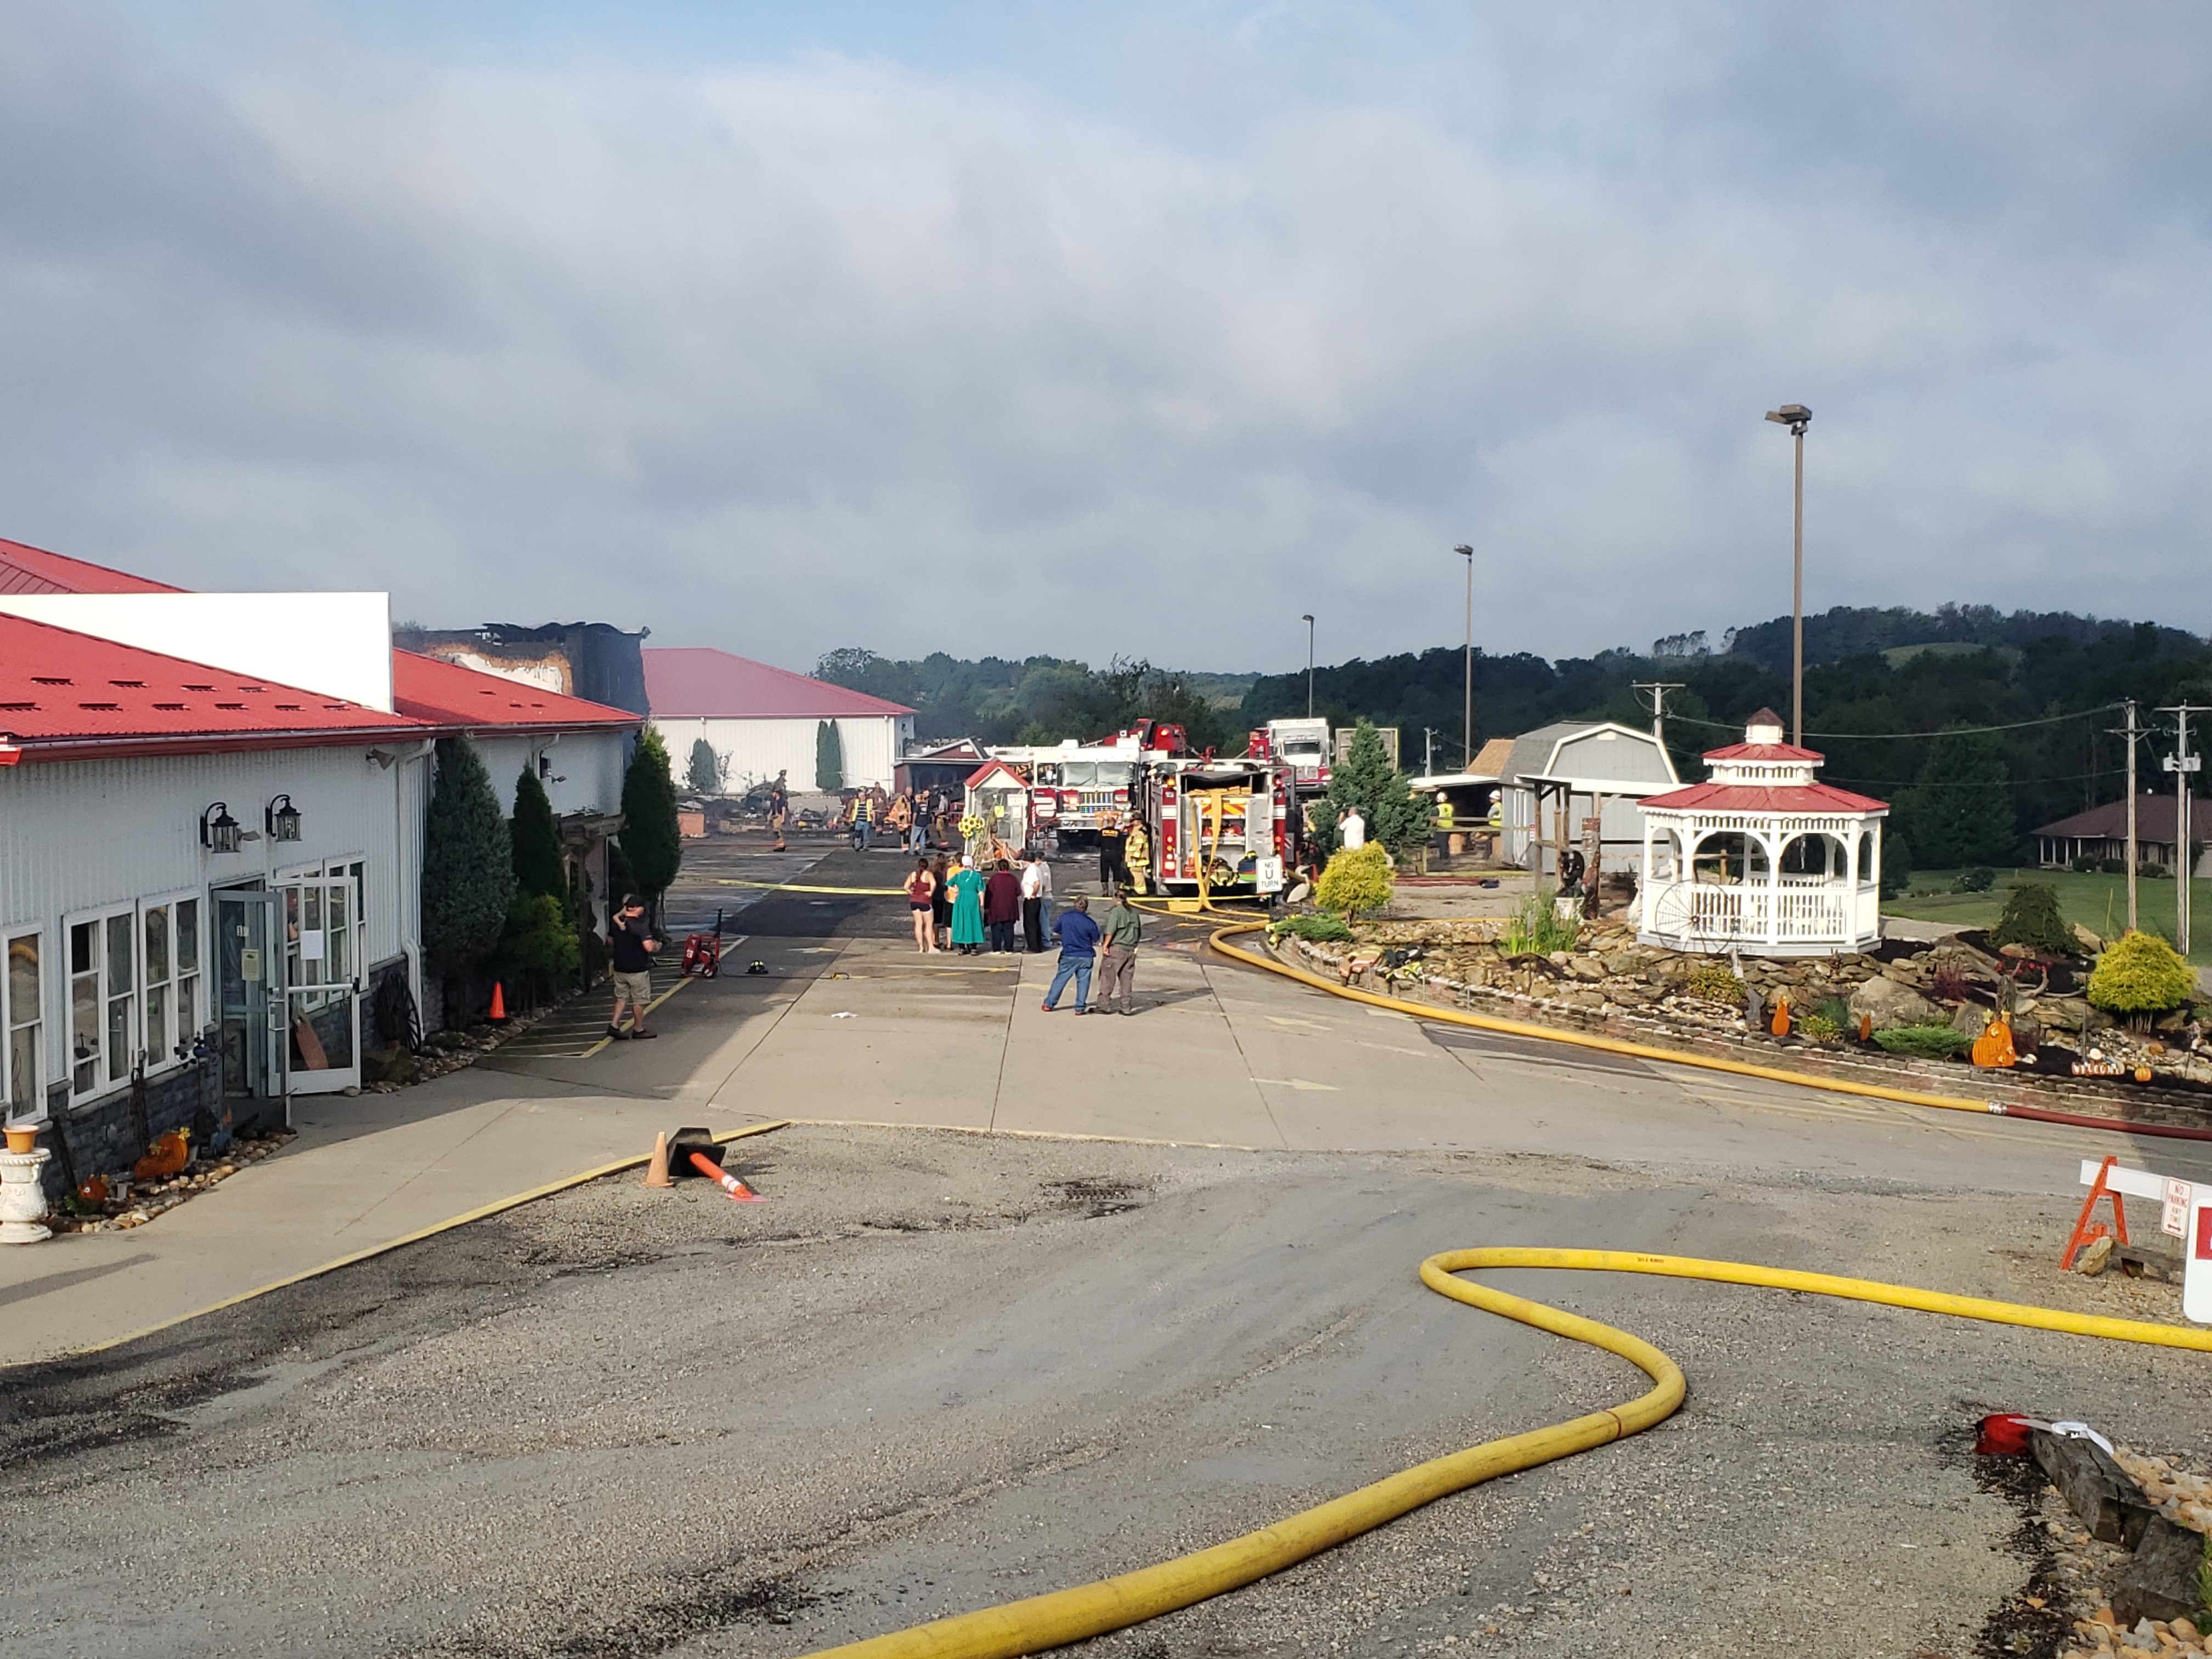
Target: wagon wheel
(1674, 916)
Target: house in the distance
(761, 720)
(2102, 833)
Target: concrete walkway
(850, 1025)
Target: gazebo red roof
(1764, 751)
(1762, 797)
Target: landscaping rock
(1890, 1003)
(2161, 1581)
(1970, 1017)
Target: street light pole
(1466, 742)
(1797, 418)
(1310, 660)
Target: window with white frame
(169, 933)
(22, 989)
(103, 969)
(134, 986)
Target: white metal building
(1553, 780)
(761, 720)
(206, 872)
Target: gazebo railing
(1799, 912)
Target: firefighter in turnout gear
(1136, 856)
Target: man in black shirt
(630, 946)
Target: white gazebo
(1760, 858)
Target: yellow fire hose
(1674, 1056)
(1041, 1622)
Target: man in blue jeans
(1078, 944)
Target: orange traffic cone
(656, 1172)
(498, 1002)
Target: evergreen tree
(539, 950)
(650, 844)
(705, 772)
(468, 869)
(537, 840)
(828, 759)
(1961, 812)
(2141, 973)
(1397, 817)
(1358, 878)
(1896, 864)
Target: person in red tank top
(920, 903)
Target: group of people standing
(923, 817)
(956, 907)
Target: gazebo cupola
(1761, 857)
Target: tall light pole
(1797, 418)
(1309, 621)
(1466, 742)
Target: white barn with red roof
(761, 720)
(208, 870)
(1762, 858)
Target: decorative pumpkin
(1994, 1047)
(165, 1157)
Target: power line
(1920, 783)
(1954, 732)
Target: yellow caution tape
(796, 887)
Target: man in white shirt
(1036, 897)
(1351, 829)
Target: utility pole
(1310, 627)
(2130, 733)
(1428, 751)
(1797, 418)
(1658, 689)
(2181, 763)
(1466, 742)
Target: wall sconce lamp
(218, 830)
(282, 819)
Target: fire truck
(1073, 785)
(1223, 827)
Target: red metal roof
(448, 695)
(67, 695)
(25, 570)
(697, 681)
(1759, 797)
(1764, 751)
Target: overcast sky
(1138, 328)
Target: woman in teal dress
(966, 885)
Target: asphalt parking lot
(940, 1370)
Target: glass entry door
(250, 994)
(322, 994)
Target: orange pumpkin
(1994, 1047)
(164, 1158)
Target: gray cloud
(782, 354)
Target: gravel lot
(940, 1369)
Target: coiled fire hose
(1038, 1623)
